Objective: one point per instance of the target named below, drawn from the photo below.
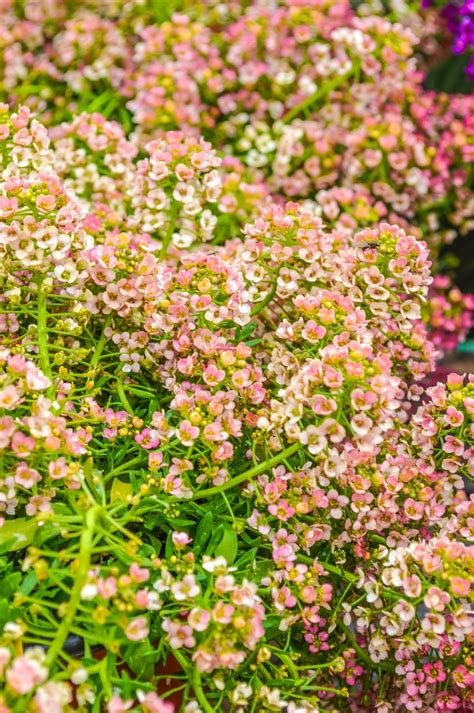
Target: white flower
(192, 707)
(241, 694)
(14, 629)
(187, 588)
(88, 592)
(211, 565)
(79, 676)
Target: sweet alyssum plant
(308, 100)
(220, 458)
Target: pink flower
(137, 629)
(363, 400)
(187, 588)
(282, 510)
(7, 428)
(413, 509)
(181, 539)
(412, 586)
(447, 702)
(434, 672)
(148, 438)
(26, 477)
(117, 705)
(332, 430)
(361, 424)
(336, 503)
(224, 583)
(453, 417)
(155, 460)
(212, 375)
(453, 445)
(53, 697)
(199, 619)
(332, 378)
(178, 634)
(27, 671)
(107, 588)
(139, 574)
(436, 599)
(460, 586)
(9, 397)
(223, 612)
(463, 677)
(223, 452)
(313, 439)
(187, 433)
(35, 379)
(283, 599)
(22, 445)
(152, 703)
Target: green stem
(126, 466)
(260, 306)
(100, 345)
(123, 399)
(79, 579)
(334, 569)
(138, 392)
(43, 339)
(103, 674)
(324, 90)
(363, 654)
(174, 210)
(199, 693)
(196, 681)
(249, 474)
(337, 691)
(124, 530)
(286, 659)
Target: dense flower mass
(226, 484)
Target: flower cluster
(422, 18)
(315, 101)
(450, 314)
(213, 454)
(175, 189)
(396, 166)
(225, 484)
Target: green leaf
(215, 539)
(4, 612)
(157, 544)
(245, 332)
(253, 342)
(140, 659)
(46, 531)
(286, 683)
(247, 557)
(120, 490)
(147, 550)
(29, 583)
(203, 532)
(227, 547)
(62, 509)
(169, 548)
(181, 522)
(126, 685)
(9, 585)
(17, 534)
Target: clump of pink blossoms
(224, 485)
